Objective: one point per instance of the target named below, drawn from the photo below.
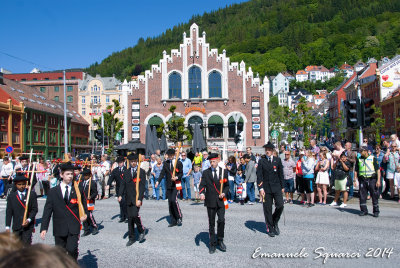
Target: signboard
(390, 76)
(135, 119)
(255, 117)
(9, 149)
(274, 134)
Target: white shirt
(62, 184)
(7, 170)
(105, 166)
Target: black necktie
(66, 195)
(23, 197)
(215, 174)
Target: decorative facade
(206, 88)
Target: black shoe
(95, 231)
(86, 233)
(363, 213)
(276, 228)
(212, 249)
(121, 220)
(172, 225)
(221, 246)
(130, 243)
(179, 222)
(270, 232)
(141, 237)
(126, 220)
(311, 205)
(376, 214)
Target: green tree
(340, 126)
(306, 118)
(112, 125)
(379, 123)
(175, 129)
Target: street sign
(274, 134)
(382, 137)
(9, 149)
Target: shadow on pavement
(202, 237)
(100, 225)
(163, 218)
(88, 260)
(349, 210)
(115, 216)
(256, 226)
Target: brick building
(11, 123)
(51, 84)
(206, 88)
(43, 122)
(390, 112)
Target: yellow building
(95, 94)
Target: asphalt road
(303, 230)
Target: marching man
(62, 202)
(172, 183)
(16, 205)
(88, 190)
(128, 190)
(271, 185)
(210, 191)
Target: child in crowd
(196, 181)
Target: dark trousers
(123, 214)
(134, 218)
(220, 211)
(69, 243)
(272, 219)
(89, 222)
(25, 235)
(174, 210)
(46, 186)
(365, 186)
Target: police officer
(369, 178)
(271, 185)
(210, 191)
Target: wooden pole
(29, 194)
(79, 197)
(138, 178)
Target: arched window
(175, 86)
(215, 126)
(155, 121)
(192, 122)
(232, 126)
(194, 82)
(214, 85)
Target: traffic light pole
(102, 126)
(360, 140)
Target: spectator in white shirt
(105, 171)
(6, 179)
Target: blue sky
(58, 34)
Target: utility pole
(102, 126)
(65, 120)
(360, 140)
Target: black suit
(84, 189)
(210, 186)
(66, 222)
(270, 178)
(174, 210)
(128, 188)
(118, 176)
(15, 212)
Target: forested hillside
(277, 35)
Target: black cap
(212, 156)
(67, 166)
(23, 157)
(133, 157)
(269, 145)
(120, 159)
(20, 178)
(170, 151)
(86, 171)
(77, 167)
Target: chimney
(1, 79)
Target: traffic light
(367, 112)
(98, 134)
(353, 113)
(237, 138)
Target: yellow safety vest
(366, 167)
